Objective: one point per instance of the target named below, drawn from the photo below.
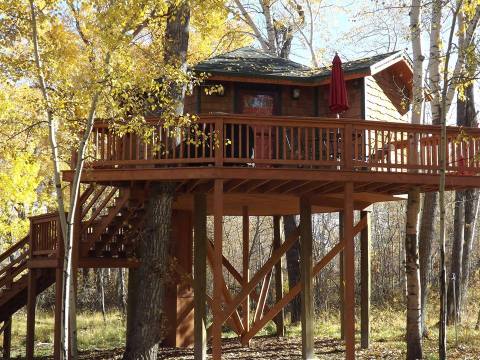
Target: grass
(93, 332)
(388, 335)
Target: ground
(99, 339)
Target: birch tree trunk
(293, 267)
(68, 313)
(413, 328)
(414, 338)
(425, 240)
(429, 206)
(456, 258)
(121, 291)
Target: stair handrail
(15, 247)
(16, 265)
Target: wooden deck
(268, 163)
(236, 165)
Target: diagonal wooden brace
(267, 267)
(287, 298)
(226, 293)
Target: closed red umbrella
(338, 90)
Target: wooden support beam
(217, 269)
(365, 243)
(245, 269)
(200, 273)
(306, 278)
(349, 265)
(280, 318)
(341, 294)
(31, 302)
(7, 339)
(263, 296)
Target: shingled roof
(248, 61)
(251, 62)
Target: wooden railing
(46, 236)
(339, 144)
(13, 262)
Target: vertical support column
(279, 319)
(365, 242)
(306, 278)
(200, 273)
(7, 338)
(217, 269)
(58, 312)
(245, 270)
(349, 266)
(341, 294)
(31, 302)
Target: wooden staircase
(107, 226)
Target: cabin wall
(303, 106)
(355, 100)
(374, 98)
(384, 100)
(213, 103)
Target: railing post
(221, 142)
(347, 147)
(31, 247)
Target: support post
(342, 279)
(349, 266)
(245, 270)
(217, 270)
(365, 243)
(280, 318)
(58, 313)
(306, 265)
(31, 302)
(7, 339)
(200, 275)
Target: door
(260, 103)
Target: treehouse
(265, 143)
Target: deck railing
(339, 144)
(45, 236)
(13, 262)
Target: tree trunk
(456, 258)
(470, 201)
(471, 213)
(293, 267)
(477, 327)
(121, 291)
(101, 292)
(425, 240)
(146, 325)
(414, 338)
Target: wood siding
(303, 106)
(354, 93)
(384, 100)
